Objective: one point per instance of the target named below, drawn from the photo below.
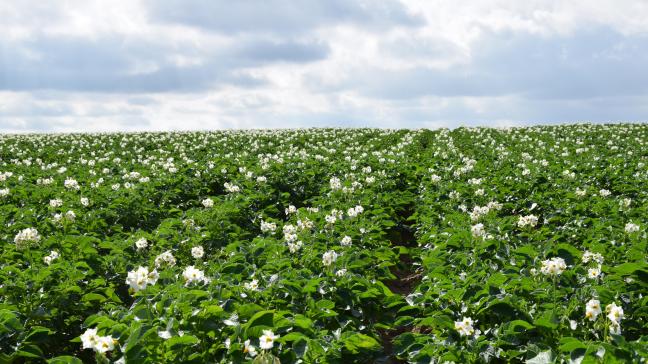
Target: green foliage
(411, 264)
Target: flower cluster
(140, 278)
(26, 238)
(329, 258)
(615, 315)
(165, 258)
(529, 220)
(51, 257)
(193, 275)
(465, 327)
(100, 344)
(553, 267)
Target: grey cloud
(588, 64)
(269, 51)
(106, 64)
(281, 16)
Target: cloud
(268, 51)
(587, 64)
(198, 64)
(281, 16)
(117, 64)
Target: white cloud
(135, 65)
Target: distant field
(326, 246)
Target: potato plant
(326, 246)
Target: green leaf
(325, 304)
(293, 336)
(263, 320)
(547, 320)
(134, 349)
(568, 344)
(519, 326)
(38, 334)
(174, 342)
(357, 342)
(628, 268)
(66, 359)
(89, 297)
(9, 322)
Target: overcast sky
(209, 64)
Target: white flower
(140, 278)
(596, 257)
(250, 349)
(341, 272)
(346, 241)
(197, 252)
(304, 224)
(52, 256)
(141, 243)
(335, 183)
(290, 237)
(232, 188)
(614, 313)
(530, 220)
(85, 201)
(268, 227)
(465, 326)
(592, 309)
(554, 266)
(100, 344)
(165, 258)
(478, 212)
(330, 219)
(593, 273)
(70, 215)
(4, 192)
(631, 228)
(291, 209)
(193, 275)
(106, 343)
(71, 184)
(89, 339)
(266, 341)
(355, 211)
(57, 202)
(573, 324)
(478, 230)
(252, 286)
(329, 257)
(26, 238)
(208, 202)
(289, 229)
(626, 202)
(294, 247)
(604, 193)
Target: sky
(131, 65)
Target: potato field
(472, 245)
